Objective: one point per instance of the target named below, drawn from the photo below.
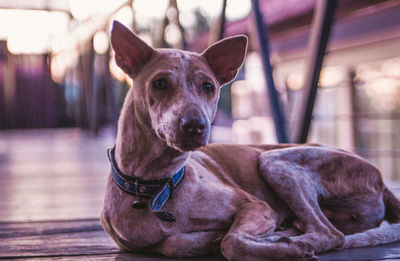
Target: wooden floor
(51, 190)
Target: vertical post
(321, 26)
(354, 111)
(345, 128)
(222, 21)
(275, 103)
(218, 26)
(175, 20)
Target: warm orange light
(31, 31)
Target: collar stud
(165, 216)
(138, 204)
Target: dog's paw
(339, 241)
(306, 250)
(296, 250)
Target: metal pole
(275, 103)
(222, 21)
(321, 26)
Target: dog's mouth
(189, 142)
(192, 145)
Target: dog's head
(176, 92)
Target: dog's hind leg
(300, 189)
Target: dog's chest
(202, 202)
(213, 200)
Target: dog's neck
(140, 153)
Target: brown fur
(247, 202)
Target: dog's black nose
(193, 123)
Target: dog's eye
(160, 84)
(208, 87)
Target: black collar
(159, 191)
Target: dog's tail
(388, 232)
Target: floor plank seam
(55, 256)
(49, 221)
(54, 233)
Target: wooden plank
(64, 240)
(24, 229)
(52, 175)
(77, 239)
(77, 243)
(122, 257)
(52, 198)
(59, 208)
(34, 239)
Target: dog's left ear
(226, 56)
(131, 53)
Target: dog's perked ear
(131, 53)
(226, 56)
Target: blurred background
(60, 89)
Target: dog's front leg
(250, 236)
(189, 244)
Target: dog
(170, 193)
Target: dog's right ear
(226, 56)
(131, 53)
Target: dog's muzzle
(192, 124)
(194, 130)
